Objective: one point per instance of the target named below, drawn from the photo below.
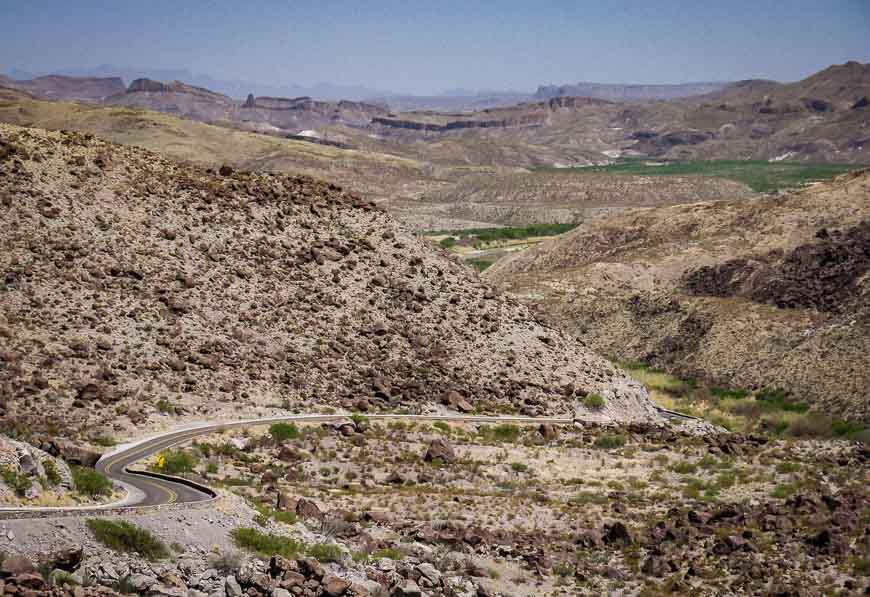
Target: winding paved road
(145, 489)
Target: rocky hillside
(135, 289)
(771, 292)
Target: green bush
(519, 467)
(177, 461)
(90, 483)
(281, 432)
(51, 472)
(726, 393)
(325, 552)
(506, 432)
(266, 544)
(594, 402)
(609, 441)
(15, 480)
(773, 399)
(389, 553)
(685, 468)
(787, 467)
(448, 242)
(123, 536)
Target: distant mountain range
(621, 92)
(234, 88)
(451, 99)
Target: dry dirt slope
(770, 292)
(132, 286)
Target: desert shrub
(811, 425)
(176, 461)
(266, 544)
(594, 402)
(519, 467)
(325, 552)
(15, 480)
(441, 426)
(448, 242)
(727, 393)
(285, 517)
(862, 566)
(281, 432)
(773, 399)
(776, 425)
(563, 569)
(504, 432)
(389, 553)
(787, 467)
(211, 468)
(609, 441)
(165, 407)
(90, 483)
(589, 497)
(784, 490)
(123, 536)
(685, 468)
(846, 428)
(51, 472)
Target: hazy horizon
(422, 49)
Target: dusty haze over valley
(434, 300)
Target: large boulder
(440, 449)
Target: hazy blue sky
(430, 46)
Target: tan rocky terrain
(368, 508)
(768, 292)
(138, 292)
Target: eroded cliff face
(523, 115)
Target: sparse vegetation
(759, 175)
(174, 462)
(19, 483)
(609, 441)
(282, 432)
(594, 402)
(265, 544)
(124, 536)
(91, 483)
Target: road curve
(145, 489)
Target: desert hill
(768, 292)
(64, 88)
(134, 287)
